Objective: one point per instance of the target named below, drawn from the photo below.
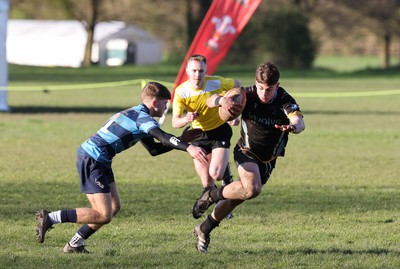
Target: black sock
(208, 188)
(228, 178)
(208, 225)
(216, 194)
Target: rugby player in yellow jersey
(210, 132)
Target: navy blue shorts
(265, 169)
(95, 177)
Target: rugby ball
(238, 95)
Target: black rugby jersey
(258, 134)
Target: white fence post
(4, 7)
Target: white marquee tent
(62, 43)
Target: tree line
(290, 32)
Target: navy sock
(68, 215)
(85, 231)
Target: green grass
(352, 63)
(332, 202)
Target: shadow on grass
(67, 109)
(348, 112)
(63, 109)
(114, 109)
(344, 251)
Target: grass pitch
(332, 202)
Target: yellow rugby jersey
(188, 99)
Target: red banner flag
(222, 24)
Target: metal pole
(4, 7)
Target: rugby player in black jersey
(269, 116)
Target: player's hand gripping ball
(238, 95)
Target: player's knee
(252, 192)
(215, 177)
(105, 218)
(216, 173)
(116, 209)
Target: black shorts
(265, 169)
(95, 177)
(216, 138)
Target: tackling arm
(168, 142)
(153, 147)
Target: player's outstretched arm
(153, 147)
(172, 142)
(296, 125)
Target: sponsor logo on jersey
(264, 121)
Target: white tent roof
(61, 43)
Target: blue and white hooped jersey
(120, 132)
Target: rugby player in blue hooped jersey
(94, 159)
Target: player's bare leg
(202, 172)
(104, 207)
(249, 185)
(216, 171)
(233, 195)
(223, 208)
(218, 163)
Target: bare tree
(341, 27)
(87, 13)
(382, 16)
(345, 18)
(90, 26)
(164, 19)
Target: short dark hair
(197, 57)
(267, 73)
(157, 90)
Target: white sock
(76, 241)
(55, 216)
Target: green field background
(332, 202)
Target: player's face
(160, 107)
(266, 92)
(196, 72)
